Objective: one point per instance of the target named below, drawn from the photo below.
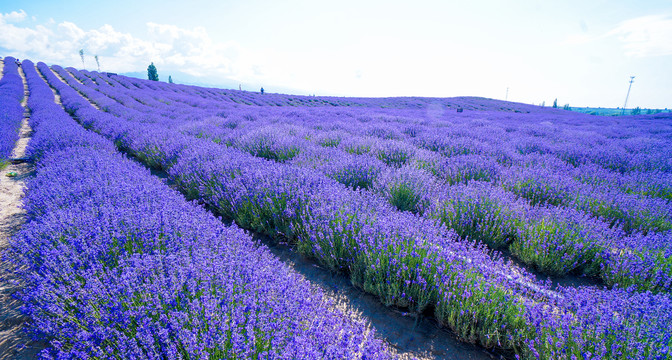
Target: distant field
(616, 112)
(420, 201)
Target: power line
(632, 78)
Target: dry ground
(14, 342)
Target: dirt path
(57, 96)
(73, 76)
(14, 342)
(65, 82)
(408, 336)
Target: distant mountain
(221, 83)
(186, 79)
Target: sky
(581, 52)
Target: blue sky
(580, 52)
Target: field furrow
(118, 265)
(404, 259)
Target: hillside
(528, 231)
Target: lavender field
(472, 218)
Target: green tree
(152, 74)
(97, 62)
(636, 111)
(555, 103)
(170, 79)
(81, 54)
(566, 107)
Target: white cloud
(189, 50)
(192, 51)
(193, 47)
(70, 31)
(645, 36)
(640, 37)
(14, 16)
(20, 39)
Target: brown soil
(57, 96)
(407, 335)
(15, 343)
(73, 76)
(65, 82)
(410, 336)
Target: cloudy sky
(581, 52)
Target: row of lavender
(117, 265)
(614, 145)
(537, 233)
(538, 185)
(11, 111)
(573, 140)
(403, 260)
(395, 260)
(506, 160)
(634, 259)
(555, 239)
(655, 273)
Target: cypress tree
(152, 74)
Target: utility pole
(507, 95)
(632, 78)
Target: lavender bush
(118, 265)
(11, 111)
(413, 261)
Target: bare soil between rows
(15, 342)
(408, 335)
